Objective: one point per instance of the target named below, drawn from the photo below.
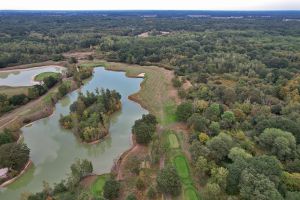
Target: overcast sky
(150, 4)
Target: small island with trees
(89, 116)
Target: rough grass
(10, 91)
(190, 193)
(173, 141)
(41, 76)
(181, 166)
(97, 187)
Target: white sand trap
(141, 75)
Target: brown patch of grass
(10, 91)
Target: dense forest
(89, 117)
(242, 108)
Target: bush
(168, 181)
(19, 99)
(111, 189)
(140, 185)
(151, 193)
(184, 111)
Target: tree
(202, 166)
(197, 122)
(268, 166)
(228, 119)
(211, 191)
(79, 170)
(237, 153)
(257, 186)
(14, 156)
(19, 99)
(292, 196)
(131, 197)
(140, 185)
(184, 111)
(219, 176)
(203, 138)
(50, 81)
(144, 128)
(63, 89)
(220, 146)
(6, 137)
(280, 143)
(72, 60)
(168, 181)
(111, 189)
(151, 193)
(143, 133)
(214, 128)
(213, 112)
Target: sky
(149, 4)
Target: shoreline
(10, 181)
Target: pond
(54, 149)
(25, 77)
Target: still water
(54, 149)
(25, 77)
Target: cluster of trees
(226, 143)
(69, 188)
(144, 128)
(13, 156)
(89, 117)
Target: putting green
(190, 194)
(173, 141)
(181, 166)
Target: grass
(10, 91)
(97, 187)
(173, 141)
(41, 76)
(169, 110)
(190, 193)
(182, 166)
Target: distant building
(3, 173)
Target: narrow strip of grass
(181, 166)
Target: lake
(25, 77)
(54, 149)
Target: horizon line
(259, 10)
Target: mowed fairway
(181, 166)
(190, 194)
(173, 141)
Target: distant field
(41, 76)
